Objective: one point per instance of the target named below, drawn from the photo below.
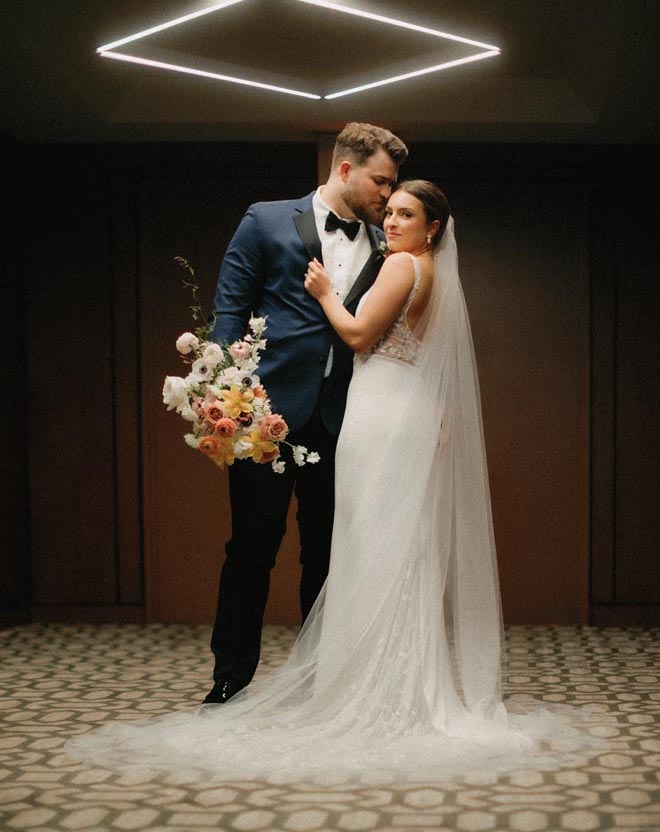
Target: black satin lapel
(371, 234)
(306, 225)
(366, 277)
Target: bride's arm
(386, 299)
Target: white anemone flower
(201, 371)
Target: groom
(305, 369)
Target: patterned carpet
(59, 680)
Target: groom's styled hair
(357, 142)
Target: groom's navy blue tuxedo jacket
(262, 273)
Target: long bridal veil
(396, 674)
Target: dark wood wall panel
(14, 502)
(527, 315)
(126, 382)
(70, 386)
(603, 390)
(637, 564)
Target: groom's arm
(241, 280)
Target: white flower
(278, 466)
(191, 440)
(201, 371)
(299, 452)
(257, 325)
(212, 354)
(313, 458)
(186, 343)
(248, 365)
(175, 392)
(232, 375)
(248, 380)
(241, 447)
(188, 413)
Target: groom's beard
(371, 212)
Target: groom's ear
(344, 169)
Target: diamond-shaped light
(109, 50)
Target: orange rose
(209, 445)
(274, 427)
(225, 427)
(220, 450)
(259, 392)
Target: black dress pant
(259, 505)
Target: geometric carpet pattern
(61, 680)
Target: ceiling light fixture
(108, 50)
(168, 25)
(401, 23)
(187, 70)
(407, 75)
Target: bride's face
(405, 224)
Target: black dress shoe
(222, 691)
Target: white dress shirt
(343, 258)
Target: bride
(396, 673)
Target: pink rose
(197, 404)
(274, 427)
(213, 412)
(239, 350)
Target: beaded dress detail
(399, 341)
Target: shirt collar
(322, 209)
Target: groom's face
(368, 187)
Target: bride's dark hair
(436, 206)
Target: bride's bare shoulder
(399, 263)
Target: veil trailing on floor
(396, 674)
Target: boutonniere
(383, 250)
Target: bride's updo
(434, 201)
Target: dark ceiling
(570, 71)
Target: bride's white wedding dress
(396, 674)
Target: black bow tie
(350, 229)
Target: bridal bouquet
(222, 398)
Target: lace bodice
(399, 341)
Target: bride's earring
(428, 239)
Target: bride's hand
(317, 280)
